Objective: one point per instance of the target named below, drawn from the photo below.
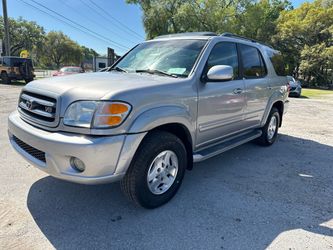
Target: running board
(225, 146)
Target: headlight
(80, 114)
(96, 114)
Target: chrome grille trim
(36, 111)
(39, 108)
(37, 100)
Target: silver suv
(164, 105)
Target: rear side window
(224, 54)
(278, 63)
(253, 63)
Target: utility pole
(5, 21)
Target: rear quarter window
(278, 63)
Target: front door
(221, 103)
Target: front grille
(34, 152)
(38, 107)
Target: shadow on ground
(14, 83)
(242, 199)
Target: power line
(74, 27)
(81, 26)
(93, 21)
(109, 16)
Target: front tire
(271, 128)
(156, 171)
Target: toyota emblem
(29, 104)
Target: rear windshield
(278, 63)
(15, 61)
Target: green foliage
(49, 50)
(244, 17)
(305, 36)
(88, 53)
(23, 35)
(59, 50)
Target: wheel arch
(280, 107)
(183, 134)
(174, 119)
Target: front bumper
(106, 158)
(295, 91)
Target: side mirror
(220, 72)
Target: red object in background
(68, 71)
(288, 87)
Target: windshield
(175, 57)
(70, 70)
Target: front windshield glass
(175, 57)
(70, 70)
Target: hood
(97, 85)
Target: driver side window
(224, 53)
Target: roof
(207, 35)
(187, 34)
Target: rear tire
(153, 178)
(5, 78)
(28, 80)
(271, 128)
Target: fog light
(77, 164)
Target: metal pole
(5, 20)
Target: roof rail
(187, 34)
(228, 34)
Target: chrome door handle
(238, 91)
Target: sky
(102, 23)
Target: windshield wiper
(118, 69)
(155, 71)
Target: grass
(316, 93)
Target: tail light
(288, 87)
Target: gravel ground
(247, 198)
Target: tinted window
(253, 64)
(101, 65)
(16, 61)
(278, 63)
(224, 54)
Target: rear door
(221, 103)
(257, 90)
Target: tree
(259, 19)
(305, 36)
(59, 49)
(88, 54)
(255, 19)
(24, 35)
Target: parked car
(69, 70)
(16, 68)
(169, 102)
(295, 87)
